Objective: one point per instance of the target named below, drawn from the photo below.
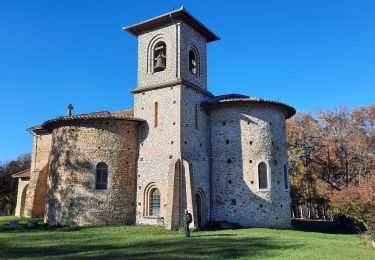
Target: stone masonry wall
(36, 191)
(195, 142)
(191, 39)
(242, 137)
(77, 149)
(146, 42)
(159, 147)
(179, 38)
(195, 125)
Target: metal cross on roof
(70, 109)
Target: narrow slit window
(196, 115)
(286, 179)
(156, 111)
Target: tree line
(8, 185)
(332, 164)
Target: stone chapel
(223, 158)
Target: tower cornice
(171, 84)
(179, 14)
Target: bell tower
(172, 48)
(173, 141)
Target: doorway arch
(23, 200)
(200, 208)
(198, 200)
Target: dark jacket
(188, 218)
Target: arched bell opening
(194, 59)
(160, 57)
(192, 62)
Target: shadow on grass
(218, 235)
(197, 247)
(22, 227)
(323, 226)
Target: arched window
(192, 62)
(262, 176)
(154, 202)
(160, 58)
(101, 176)
(286, 179)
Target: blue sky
(304, 53)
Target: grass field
(141, 242)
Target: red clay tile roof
(22, 174)
(101, 115)
(242, 99)
(38, 129)
(122, 113)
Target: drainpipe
(177, 46)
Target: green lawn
(140, 242)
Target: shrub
(358, 202)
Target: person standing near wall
(187, 221)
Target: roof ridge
(125, 114)
(232, 98)
(18, 174)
